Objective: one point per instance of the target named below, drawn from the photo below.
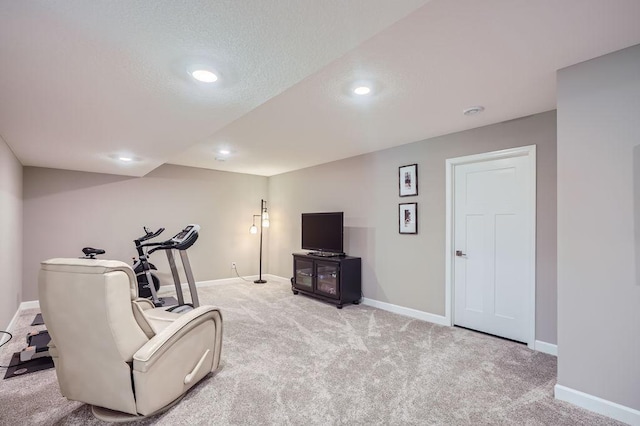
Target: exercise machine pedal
(37, 346)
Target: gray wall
(10, 234)
(66, 210)
(408, 270)
(598, 290)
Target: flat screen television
(323, 232)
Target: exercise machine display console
(185, 238)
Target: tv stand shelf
(335, 279)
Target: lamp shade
(253, 229)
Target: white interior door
(492, 259)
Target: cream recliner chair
(118, 352)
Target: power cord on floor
(10, 337)
(242, 278)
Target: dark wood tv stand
(335, 279)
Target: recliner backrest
(86, 305)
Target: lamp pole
(262, 210)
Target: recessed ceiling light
(362, 90)
(224, 152)
(124, 158)
(473, 110)
(204, 76)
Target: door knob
(459, 253)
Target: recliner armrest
(177, 358)
(147, 355)
(144, 304)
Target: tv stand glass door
(304, 273)
(327, 278)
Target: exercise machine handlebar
(149, 234)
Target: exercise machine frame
(181, 242)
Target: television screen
(322, 231)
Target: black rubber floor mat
(38, 320)
(20, 369)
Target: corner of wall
(11, 229)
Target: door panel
(303, 277)
(507, 266)
(474, 267)
(491, 220)
(327, 279)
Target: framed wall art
(408, 179)
(408, 218)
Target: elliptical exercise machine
(181, 242)
(138, 268)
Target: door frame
(528, 151)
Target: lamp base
(260, 281)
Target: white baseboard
(408, 312)
(396, 309)
(598, 405)
(277, 278)
(167, 289)
(547, 348)
(540, 346)
(210, 283)
(30, 304)
(235, 280)
(24, 305)
(5, 337)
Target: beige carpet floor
(293, 360)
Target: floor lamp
(264, 223)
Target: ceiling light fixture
(224, 152)
(362, 90)
(204, 76)
(124, 157)
(473, 110)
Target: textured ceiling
(83, 81)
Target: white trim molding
(598, 405)
(171, 288)
(407, 312)
(276, 277)
(24, 305)
(450, 164)
(168, 288)
(30, 304)
(547, 348)
(5, 337)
